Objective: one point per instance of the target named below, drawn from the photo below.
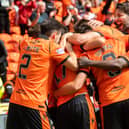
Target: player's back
(109, 32)
(33, 71)
(112, 85)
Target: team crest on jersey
(60, 51)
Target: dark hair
(34, 31)
(49, 25)
(123, 7)
(82, 26)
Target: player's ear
(53, 35)
(56, 36)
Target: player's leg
(111, 116)
(92, 117)
(14, 117)
(126, 114)
(20, 117)
(75, 114)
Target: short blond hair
(40, 3)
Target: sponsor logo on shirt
(60, 51)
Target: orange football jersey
(113, 86)
(35, 72)
(63, 75)
(109, 32)
(125, 38)
(126, 57)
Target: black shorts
(116, 115)
(77, 113)
(20, 117)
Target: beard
(125, 29)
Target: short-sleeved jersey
(126, 57)
(112, 86)
(110, 32)
(63, 75)
(35, 72)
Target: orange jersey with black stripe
(113, 86)
(35, 72)
(63, 75)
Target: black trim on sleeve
(81, 46)
(49, 47)
(65, 59)
(99, 33)
(83, 72)
(124, 59)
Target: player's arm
(73, 86)
(94, 43)
(35, 20)
(79, 39)
(115, 64)
(71, 62)
(58, 54)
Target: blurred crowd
(18, 15)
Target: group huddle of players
(53, 73)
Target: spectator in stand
(109, 18)
(4, 16)
(106, 7)
(39, 15)
(81, 7)
(71, 18)
(49, 6)
(25, 11)
(89, 15)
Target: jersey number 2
(24, 66)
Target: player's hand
(64, 39)
(68, 47)
(69, 12)
(95, 23)
(52, 13)
(38, 12)
(84, 61)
